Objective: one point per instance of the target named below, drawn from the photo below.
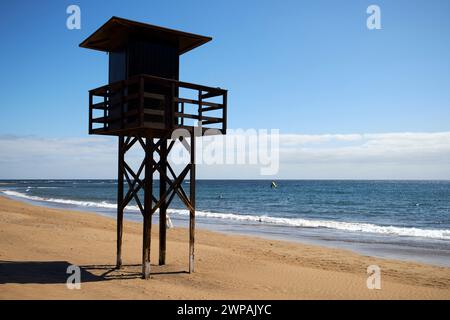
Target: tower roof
(115, 33)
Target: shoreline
(38, 243)
(413, 249)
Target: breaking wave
(441, 234)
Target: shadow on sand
(54, 272)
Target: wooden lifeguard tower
(142, 104)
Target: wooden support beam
(163, 208)
(197, 117)
(133, 189)
(212, 121)
(99, 106)
(154, 96)
(134, 193)
(180, 191)
(192, 210)
(129, 144)
(199, 101)
(101, 120)
(146, 243)
(212, 94)
(148, 197)
(174, 187)
(120, 207)
(143, 145)
(218, 107)
(171, 144)
(154, 112)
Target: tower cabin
(144, 96)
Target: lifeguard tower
(143, 104)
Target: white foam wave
(32, 187)
(337, 225)
(442, 234)
(102, 204)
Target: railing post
(105, 99)
(90, 112)
(172, 106)
(182, 111)
(224, 113)
(200, 107)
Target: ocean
(407, 220)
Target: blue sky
(304, 67)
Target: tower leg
(148, 186)
(146, 243)
(192, 201)
(120, 202)
(163, 208)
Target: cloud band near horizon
(406, 155)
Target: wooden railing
(148, 102)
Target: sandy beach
(37, 244)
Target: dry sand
(37, 245)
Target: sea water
(407, 220)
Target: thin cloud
(400, 148)
(405, 155)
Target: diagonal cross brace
(173, 187)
